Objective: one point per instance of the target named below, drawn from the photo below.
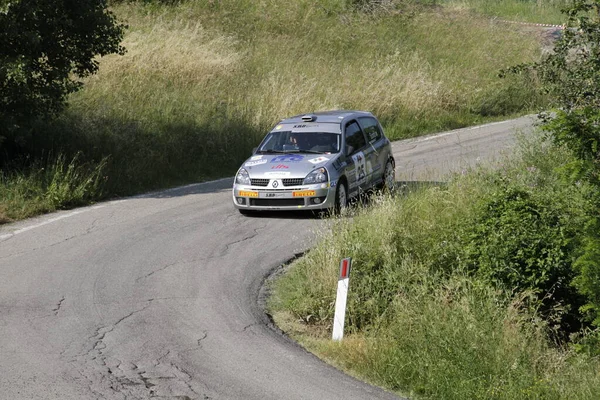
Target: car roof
(333, 116)
(320, 121)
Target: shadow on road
(220, 185)
(295, 215)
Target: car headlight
(242, 177)
(319, 175)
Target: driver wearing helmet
(298, 141)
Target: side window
(354, 136)
(371, 128)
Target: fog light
(240, 200)
(316, 200)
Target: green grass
(532, 11)
(202, 82)
(417, 321)
(49, 186)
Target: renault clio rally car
(315, 161)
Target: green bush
(522, 241)
(587, 281)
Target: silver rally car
(314, 161)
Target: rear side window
(354, 136)
(371, 128)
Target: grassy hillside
(203, 80)
(425, 322)
(474, 289)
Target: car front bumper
(309, 197)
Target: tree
(571, 75)
(46, 47)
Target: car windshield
(300, 142)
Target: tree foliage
(571, 75)
(46, 47)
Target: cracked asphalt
(157, 296)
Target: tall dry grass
(202, 82)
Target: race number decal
(359, 164)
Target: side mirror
(349, 149)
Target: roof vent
(309, 118)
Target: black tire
(341, 197)
(389, 177)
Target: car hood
(293, 165)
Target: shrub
(523, 241)
(587, 281)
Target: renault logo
(275, 184)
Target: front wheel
(389, 177)
(341, 197)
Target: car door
(376, 142)
(356, 155)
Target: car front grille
(292, 181)
(277, 202)
(286, 182)
(259, 182)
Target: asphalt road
(156, 296)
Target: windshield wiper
(281, 151)
(290, 151)
(276, 151)
(311, 151)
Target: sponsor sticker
(247, 193)
(318, 160)
(277, 173)
(280, 166)
(254, 158)
(274, 195)
(288, 158)
(304, 193)
(255, 162)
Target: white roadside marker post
(340, 300)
